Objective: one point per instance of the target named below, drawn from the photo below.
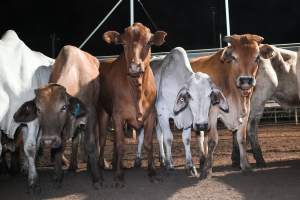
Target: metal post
(100, 24)
(131, 12)
(296, 116)
(227, 18)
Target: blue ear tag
(77, 110)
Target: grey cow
(184, 96)
(277, 80)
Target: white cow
(21, 71)
(193, 95)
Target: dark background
(189, 23)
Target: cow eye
(64, 108)
(181, 99)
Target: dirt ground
(280, 180)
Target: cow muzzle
(201, 127)
(245, 82)
(51, 141)
(135, 70)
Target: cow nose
(202, 127)
(246, 82)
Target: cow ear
(158, 38)
(217, 97)
(26, 113)
(76, 107)
(266, 51)
(227, 55)
(112, 37)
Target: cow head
(194, 101)
(136, 40)
(54, 108)
(244, 55)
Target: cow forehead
(250, 49)
(136, 32)
(50, 95)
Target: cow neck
(136, 86)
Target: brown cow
(68, 102)
(233, 70)
(128, 91)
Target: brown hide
(128, 90)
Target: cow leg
(160, 139)
(148, 144)
(241, 138)
(74, 158)
(202, 140)
(168, 140)
(103, 123)
(30, 150)
(253, 138)
(119, 151)
(186, 139)
(138, 159)
(91, 149)
(235, 154)
(211, 146)
(58, 172)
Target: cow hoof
(206, 174)
(34, 189)
(118, 184)
(138, 162)
(236, 165)
(57, 185)
(261, 164)
(247, 171)
(170, 167)
(72, 168)
(98, 185)
(192, 171)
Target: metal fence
(273, 112)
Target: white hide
(21, 71)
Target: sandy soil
(279, 180)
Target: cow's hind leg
(103, 123)
(253, 139)
(30, 150)
(91, 149)
(186, 138)
(148, 144)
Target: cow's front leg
(241, 139)
(211, 146)
(138, 159)
(163, 121)
(160, 139)
(186, 139)
(103, 124)
(202, 140)
(58, 172)
(119, 151)
(235, 154)
(74, 158)
(30, 150)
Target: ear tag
(76, 112)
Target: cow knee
(168, 138)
